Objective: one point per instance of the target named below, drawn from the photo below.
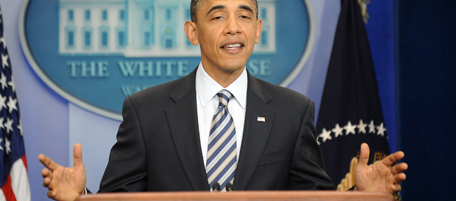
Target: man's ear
(191, 31)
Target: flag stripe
(24, 160)
(2, 197)
(19, 181)
(8, 192)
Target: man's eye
(245, 17)
(218, 17)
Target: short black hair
(194, 6)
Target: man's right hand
(64, 183)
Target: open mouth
(233, 46)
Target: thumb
(77, 155)
(364, 155)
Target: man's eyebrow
(218, 7)
(245, 7)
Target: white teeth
(233, 46)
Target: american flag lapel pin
(261, 119)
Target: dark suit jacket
(158, 145)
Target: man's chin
(232, 68)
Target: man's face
(227, 31)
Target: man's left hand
(382, 176)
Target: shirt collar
(207, 87)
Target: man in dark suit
(279, 153)
(164, 142)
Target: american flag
(13, 168)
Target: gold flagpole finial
(363, 5)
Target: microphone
(229, 187)
(215, 187)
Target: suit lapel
(183, 122)
(256, 132)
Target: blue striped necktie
(221, 151)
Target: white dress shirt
(207, 102)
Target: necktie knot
(224, 97)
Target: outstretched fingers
(393, 158)
(51, 194)
(64, 183)
(364, 155)
(397, 188)
(398, 178)
(47, 162)
(47, 175)
(398, 168)
(77, 155)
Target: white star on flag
(5, 59)
(12, 104)
(7, 146)
(1, 140)
(2, 41)
(11, 83)
(381, 130)
(9, 125)
(362, 127)
(326, 135)
(3, 81)
(338, 131)
(19, 127)
(349, 128)
(371, 127)
(2, 102)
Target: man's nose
(232, 26)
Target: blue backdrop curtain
(426, 72)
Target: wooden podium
(242, 195)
